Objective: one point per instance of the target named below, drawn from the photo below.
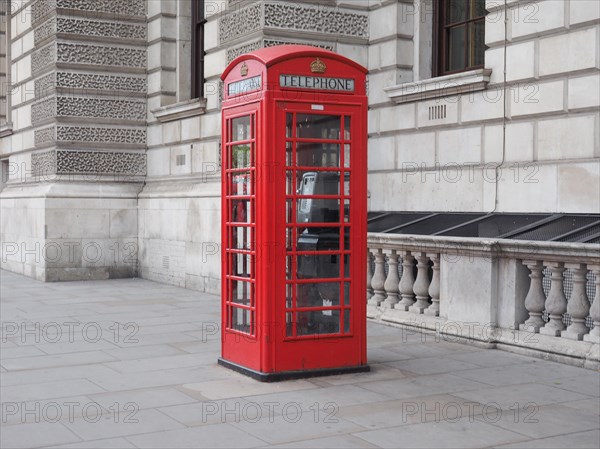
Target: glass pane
(347, 293)
(241, 211)
(288, 125)
(242, 320)
(319, 322)
(347, 123)
(347, 211)
(346, 321)
(240, 156)
(477, 43)
(289, 288)
(289, 325)
(289, 268)
(347, 238)
(289, 211)
(312, 126)
(241, 184)
(241, 238)
(347, 155)
(346, 265)
(478, 8)
(318, 211)
(457, 11)
(456, 48)
(317, 154)
(289, 238)
(240, 129)
(242, 265)
(321, 294)
(317, 183)
(289, 155)
(290, 183)
(319, 239)
(240, 292)
(318, 266)
(346, 183)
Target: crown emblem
(244, 69)
(318, 66)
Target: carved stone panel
(88, 162)
(43, 163)
(45, 85)
(90, 28)
(290, 16)
(320, 19)
(101, 55)
(234, 52)
(69, 106)
(240, 22)
(44, 135)
(102, 135)
(44, 31)
(41, 8)
(79, 80)
(274, 42)
(42, 58)
(43, 110)
(102, 28)
(102, 162)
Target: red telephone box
(294, 214)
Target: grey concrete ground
(131, 363)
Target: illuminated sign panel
(245, 86)
(317, 83)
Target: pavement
(132, 363)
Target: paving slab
(444, 434)
(222, 435)
(513, 396)
(36, 435)
(542, 421)
(108, 443)
(580, 440)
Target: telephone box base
(288, 375)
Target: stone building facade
(110, 148)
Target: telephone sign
(294, 214)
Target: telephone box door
(239, 306)
(321, 305)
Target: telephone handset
(311, 210)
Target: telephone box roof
(272, 55)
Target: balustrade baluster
(535, 300)
(392, 280)
(369, 275)
(578, 306)
(421, 287)
(594, 335)
(378, 281)
(434, 287)
(556, 303)
(406, 282)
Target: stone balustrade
(540, 298)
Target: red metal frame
(270, 345)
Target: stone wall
(521, 144)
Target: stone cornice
(178, 111)
(488, 248)
(6, 129)
(442, 86)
